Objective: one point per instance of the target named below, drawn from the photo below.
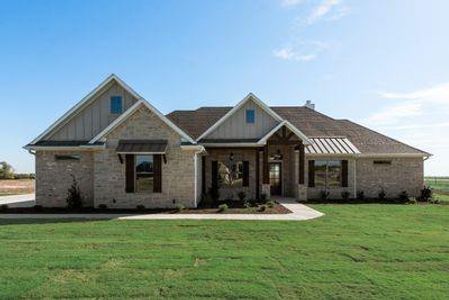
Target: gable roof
(130, 111)
(249, 97)
(84, 102)
(310, 122)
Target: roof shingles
(308, 121)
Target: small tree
(74, 198)
(6, 170)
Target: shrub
(403, 197)
(140, 207)
(180, 207)
(3, 207)
(263, 198)
(345, 196)
(74, 198)
(222, 207)
(247, 204)
(263, 207)
(241, 195)
(382, 195)
(426, 194)
(361, 196)
(271, 204)
(102, 206)
(38, 207)
(412, 201)
(324, 195)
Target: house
(123, 152)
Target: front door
(275, 178)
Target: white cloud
(302, 51)
(419, 118)
(289, 54)
(321, 11)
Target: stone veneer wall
(404, 174)
(239, 154)
(53, 177)
(177, 174)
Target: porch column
(302, 188)
(257, 174)
(265, 177)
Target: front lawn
(355, 251)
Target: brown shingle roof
(310, 122)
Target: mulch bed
(276, 209)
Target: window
(116, 105)
(250, 116)
(144, 173)
(382, 162)
(230, 176)
(67, 157)
(328, 173)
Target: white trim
(215, 145)
(193, 147)
(65, 148)
(140, 153)
(388, 155)
(131, 110)
(249, 97)
(287, 124)
(73, 111)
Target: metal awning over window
(142, 146)
(331, 145)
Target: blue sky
(384, 64)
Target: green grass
(355, 251)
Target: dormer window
(116, 105)
(250, 116)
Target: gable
(142, 123)
(92, 118)
(235, 126)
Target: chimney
(310, 105)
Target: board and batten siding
(94, 117)
(235, 127)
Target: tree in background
(6, 170)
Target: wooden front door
(275, 174)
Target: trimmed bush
(38, 207)
(263, 198)
(361, 195)
(241, 195)
(102, 206)
(74, 198)
(3, 207)
(271, 204)
(426, 194)
(140, 207)
(324, 195)
(404, 197)
(345, 196)
(223, 207)
(263, 207)
(382, 195)
(180, 207)
(412, 201)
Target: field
(16, 186)
(356, 251)
(440, 186)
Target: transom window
(250, 116)
(230, 175)
(328, 173)
(116, 105)
(144, 173)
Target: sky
(383, 64)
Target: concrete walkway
(299, 211)
(26, 200)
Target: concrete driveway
(26, 200)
